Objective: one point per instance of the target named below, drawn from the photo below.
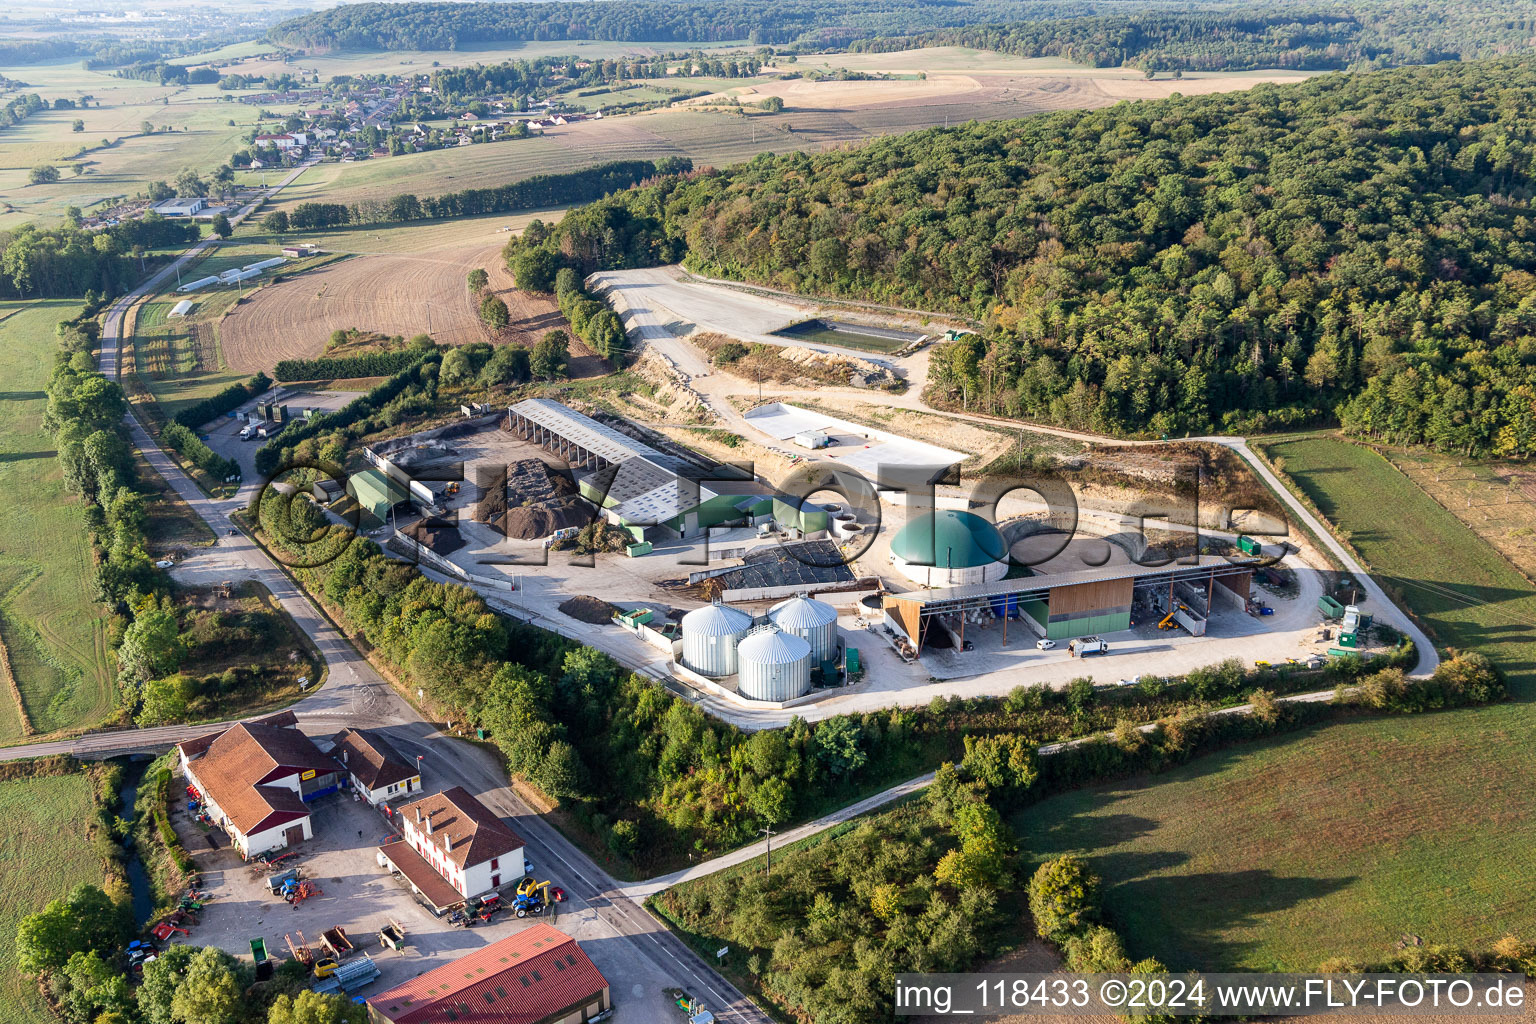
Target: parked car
(164, 563)
(1045, 645)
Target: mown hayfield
(1337, 842)
(200, 137)
(35, 867)
(48, 613)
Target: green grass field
(1337, 842)
(48, 613)
(200, 137)
(37, 812)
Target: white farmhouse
(379, 772)
(256, 781)
(452, 846)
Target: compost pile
(535, 503)
(588, 609)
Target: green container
(851, 662)
(1249, 546)
(636, 550)
(1330, 608)
(1348, 640)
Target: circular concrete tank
(773, 665)
(811, 620)
(710, 636)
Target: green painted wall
(811, 519)
(1085, 625)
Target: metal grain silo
(710, 636)
(773, 665)
(811, 620)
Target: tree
(166, 700)
(276, 222)
(189, 185)
(985, 850)
(773, 801)
(478, 279)
(146, 128)
(534, 271)
(83, 921)
(151, 645)
(43, 174)
(839, 748)
(92, 987)
(314, 1008)
(509, 364)
(494, 313)
(162, 977)
(1063, 896)
(550, 356)
(157, 191)
(562, 774)
(210, 991)
(458, 368)
(78, 125)
(221, 226)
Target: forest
(67, 261)
(1355, 247)
(1375, 33)
(1208, 36)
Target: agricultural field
(37, 812)
(49, 618)
(200, 137)
(1326, 837)
(1496, 499)
(393, 294)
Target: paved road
(355, 695)
(656, 300)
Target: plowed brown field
(395, 293)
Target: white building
(256, 781)
(378, 771)
(452, 847)
(182, 206)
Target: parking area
(360, 897)
(223, 434)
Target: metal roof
(598, 438)
(768, 645)
(1215, 565)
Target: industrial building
(256, 781)
(378, 772)
(947, 548)
(773, 665)
(540, 975)
(452, 846)
(649, 493)
(376, 493)
(182, 206)
(1072, 604)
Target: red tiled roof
(241, 761)
(371, 759)
(535, 975)
(477, 833)
(194, 747)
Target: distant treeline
(536, 193)
(1331, 37)
(65, 261)
(368, 364)
(441, 26)
(1200, 36)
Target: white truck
(1085, 645)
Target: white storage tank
(710, 636)
(773, 665)
(811, 620)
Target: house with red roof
(452, 846)
(256, 781)
(537, 976)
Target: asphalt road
(355, 695)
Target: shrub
(1063, 897)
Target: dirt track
(404, 294)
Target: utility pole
(769, 834)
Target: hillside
(1359, 243)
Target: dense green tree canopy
(1359, 243)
